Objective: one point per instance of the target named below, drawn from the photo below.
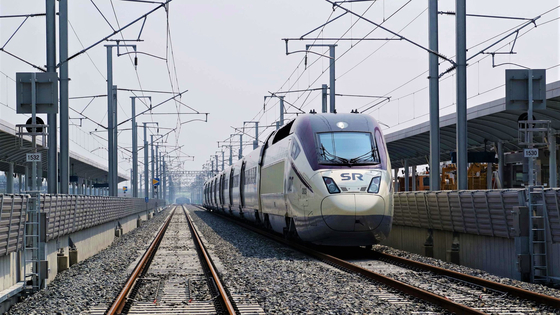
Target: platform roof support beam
(553, 168)
(10, 178)
(406, 176)
(434, 97)
(501, 164)
(395, 179)
(414, 188)
(489, 174)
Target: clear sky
(230, 54)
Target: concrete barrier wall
(90, 241)
(495, 255)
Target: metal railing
(65, 214)
(480, 212)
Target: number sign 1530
(531, 153)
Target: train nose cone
(352, 213)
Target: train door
(242, 185)
(221, 190)
(230, 187)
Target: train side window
(283, 132)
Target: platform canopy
(486, 123)
(10, 151)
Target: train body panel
(235, 188)
(325, 177)
(250, 186)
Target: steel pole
(217, 165)
(223, 160)
(332, 78)
(164, 180)
(134, 150)
(240, 146)
(256, 135)
(281, 110)
(115, 144)
(324, 93)
(553, 170)
(501, 164)
(434, 97)
(156, 189)
(406, 176)
(230, 155)
(146, 163)
(531, 165)
(461, 47)
(153, 169)
(64, 156)
(10, 178)
(110, 117)
(52, 169)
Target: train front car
(339, 180)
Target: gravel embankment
(94, 281)
(284, 281)
(470, 271)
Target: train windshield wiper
(366, 157)
(327, 156)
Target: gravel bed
(470, 271)
(285, 281)
(94, 281)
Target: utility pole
(332, 67)
(135, 145)
(217, 170)
(112, 118)
(64, 157)
(461, 47)
(256, 142)
(146, 160)
(324, 98)
(434, 97)
(281, 98)
(153, 169)
(52, 170)
(164, 180)
(240, 146)
(156, 190)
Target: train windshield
(347, 148)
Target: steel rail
(120, 301)
(401, 286)
(519, 292)
(217, 280)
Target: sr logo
(354, 176)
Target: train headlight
(374, 185)
(331, 185)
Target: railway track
(176, 276)
(454, 292)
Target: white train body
(323, 177)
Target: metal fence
(65, 214)
(12, 222)
(481, 212)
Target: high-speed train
(325, 178)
